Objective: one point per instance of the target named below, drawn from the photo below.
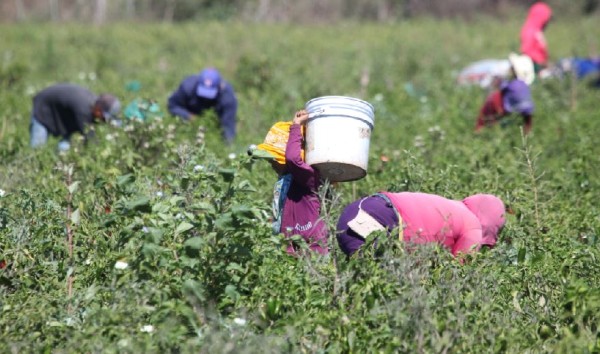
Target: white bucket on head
(338, 134)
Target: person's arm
(177, 103)
(490, 111)
(302, 172)
(468, 242)
(227, 111)
(527, 122)
(480, 123)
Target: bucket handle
(316, 113)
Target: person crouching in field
(296, 203)
(459, 226)
(206, 91)
(64, 109)
(511, 96)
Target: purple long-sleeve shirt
(301, 211)
(184, 102)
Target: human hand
(300, 117)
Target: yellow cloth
(276, 141)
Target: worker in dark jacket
(207, 90)
(63, 109)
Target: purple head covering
(516, 97)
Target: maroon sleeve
(302, 172)
(490, 110)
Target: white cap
(523, 67)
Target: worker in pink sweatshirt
(533, 42)
(459, 226)
(296, 203)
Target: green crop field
(156, 238)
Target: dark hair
(108, 106)
(106, 101)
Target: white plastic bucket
(338, 134)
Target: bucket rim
(340, 97)
(370, 124)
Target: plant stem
(68, 170)
(573, 91)
(329, 198)
(531, 173)
(69, 214)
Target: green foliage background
(192, 223)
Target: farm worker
(296, 203)
(63, 109)
(459, 226)
(512, 96)
(584, 68)
(204, 91)
(533, 42)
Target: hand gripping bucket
(338, 134)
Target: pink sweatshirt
(533, 42)
(460, 226)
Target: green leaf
(69, 272)
(351, 338)
(164, 216)
(245, 186)
(139, 204)
(242, 210)
(521, 255)
(109, 220)
(176, 199)
(91, 292)
(183, 227)
(224, 221)
(235, 266)
(227, 173)
(194, 243)
(73, 187)
(204, 206)
(75, 216)
(160, 208)
(125, 180)
(151, 250)
(231, 292)
(516, 304)
(192, 288)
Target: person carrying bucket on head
(512, 96)
(296, 203)
(418, 218)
